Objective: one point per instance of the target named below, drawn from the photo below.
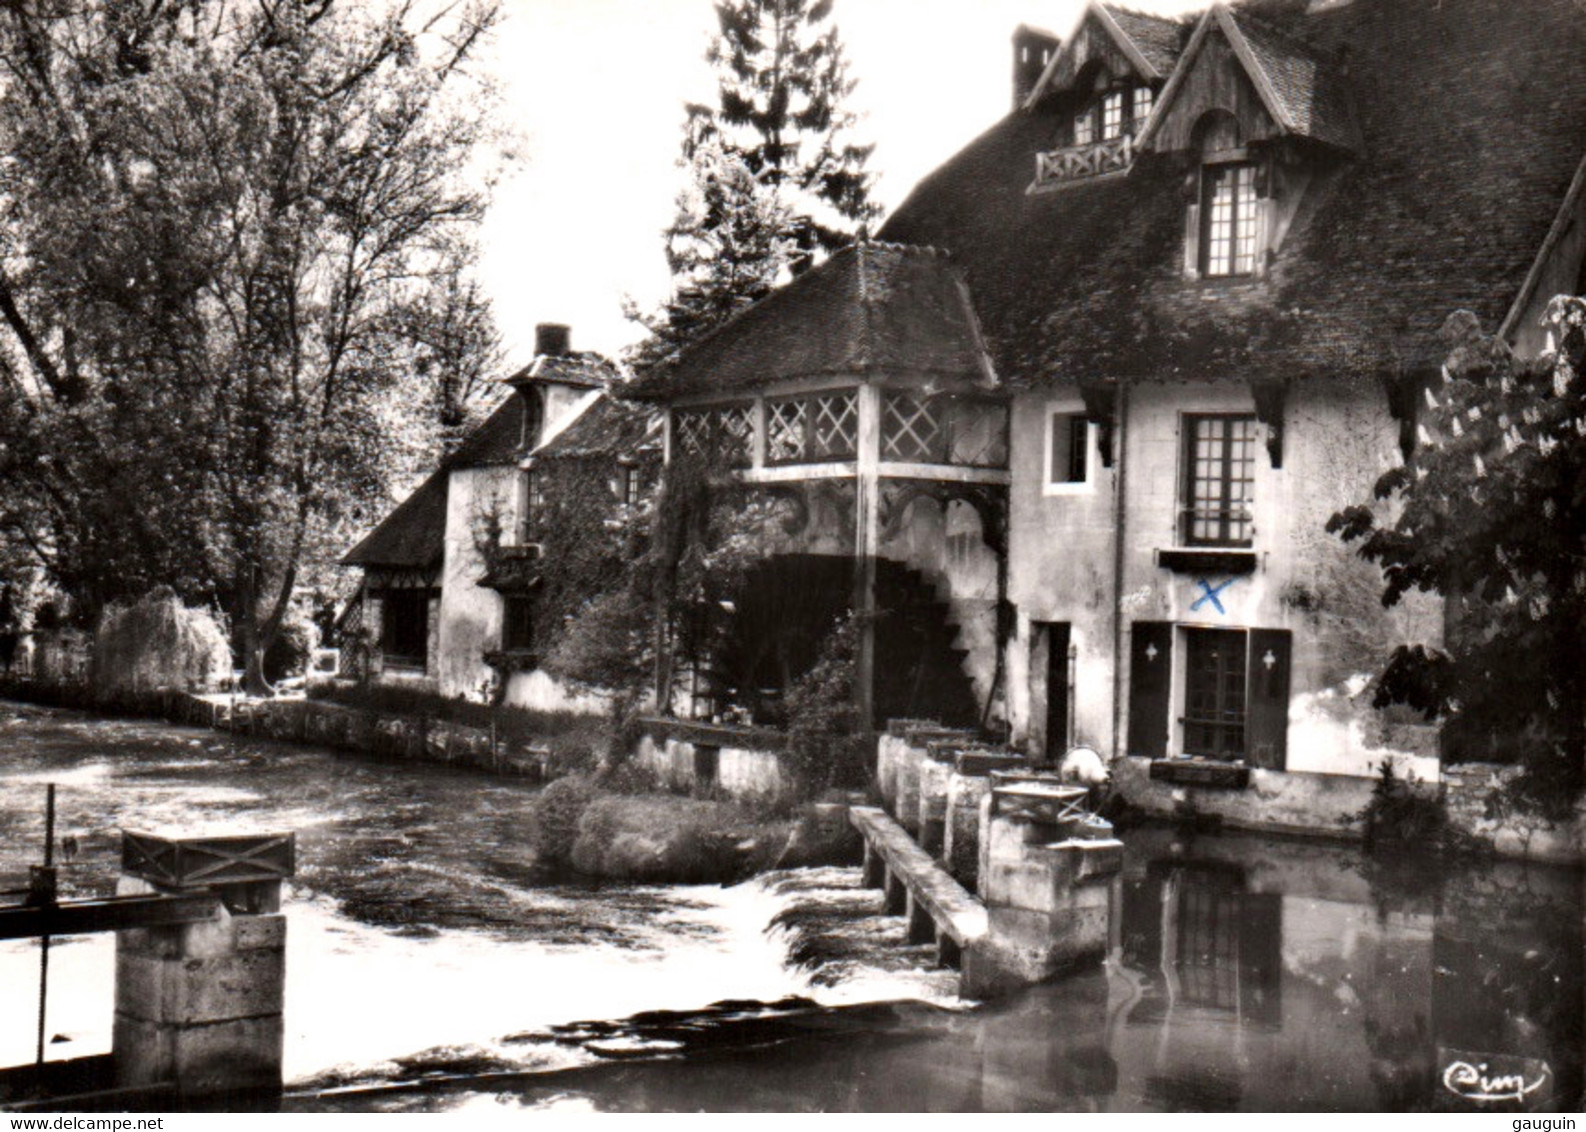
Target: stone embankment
(317, 722)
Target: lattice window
(784, 436)
(1220, 480)
(691, 430)
(735, 434)
(977, 433)
(834, 426)
(725, 433)
(911, 431)
(916, 428)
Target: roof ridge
(1169, 21)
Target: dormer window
(1228, 219)
(1112, 120)
(1085, 127)
(1144, 100)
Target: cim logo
(1488, 1080)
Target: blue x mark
(1209, 593)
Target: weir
(200, 970)
(963, 814)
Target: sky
(594, 92)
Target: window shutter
(1150, 686)
(1192, 241)
(1267, 711)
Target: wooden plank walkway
(936, 905)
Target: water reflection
(1246, 973)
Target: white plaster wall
(470, 614)
(1338, 441)
(541, 691)
(1059, 569)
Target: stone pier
(199, 1005)
(1046, 875)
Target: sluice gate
(200, 970)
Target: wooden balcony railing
(1076, 162)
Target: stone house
(448, 603)
(1075, 423)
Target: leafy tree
(1490, 512)
(774, 177)
(217, 221)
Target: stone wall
(1317, 805)
(315, 722)
(1476, 808)
(741, 763)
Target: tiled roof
(498, 440)
(586, 370)
(870, 308)
(1309, 89)
(609, 427)
(411, 537)
(1472, 120)
(1157, 38)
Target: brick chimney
(553, 338)
(1033, 49)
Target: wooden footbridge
(937, 908)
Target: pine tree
(728, 244)
(783, 80)
(774, 177)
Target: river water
(432, 965)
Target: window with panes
(1228, 219)
(632, 480)
(1214, 693)
(1112, 120)
(1219, 480)
(1144, 99)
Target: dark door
(1150, 668)
(1058, 635)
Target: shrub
(824, 748)
(553, 823)
(157, 642)
(1400, 815)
